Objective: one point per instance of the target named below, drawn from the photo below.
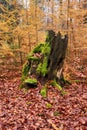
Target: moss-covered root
(29, 83)
(55, 84)
(43, 91)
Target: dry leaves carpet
(28, 110)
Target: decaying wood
(57, 56)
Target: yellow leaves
(3, 27)
(6, 50)
(19, 31)
(3, 8)
(23, 25)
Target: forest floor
(28, 110)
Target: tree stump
(46, 60)
(57, 56)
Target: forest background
(24, 23)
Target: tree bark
(57, 56)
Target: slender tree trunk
(20, 53)
(36, 26)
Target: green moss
(21, 86)
(38, 48)
(30, 54)
(25, 71)
(46, 49)
(33, 58)
(67, 82)
(43, 91)
(54, 83)
(44, 69)
(39, 67)
(31, 81)
(48, 105)
(64, 93)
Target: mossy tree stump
(46, 60)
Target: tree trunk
(57, 56)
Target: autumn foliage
(23, 26)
